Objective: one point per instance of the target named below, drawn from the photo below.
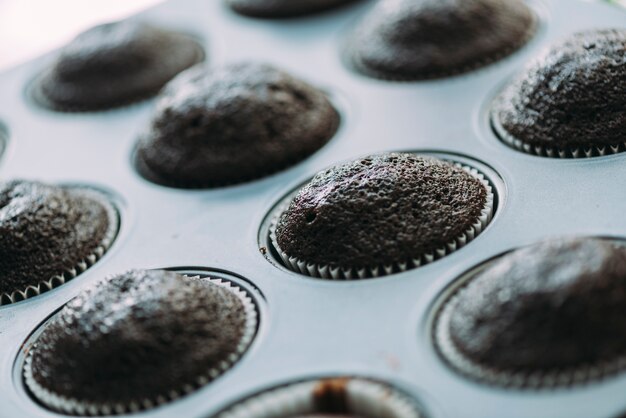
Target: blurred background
(29, 28)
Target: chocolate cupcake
(48, 235)
(114, 64)
(414, 40)
(233, 124)
(379, 215)
(546, 315)
(283, 8)
(138, 340)
(569, 101)
(343, 397)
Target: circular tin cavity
(111, 205)
(530, 380)
(220, 178)
(368, 29)
(343, 396)
(269, 247)
(26, 386)
(546, 110)
(134, 92)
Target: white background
(29, 28)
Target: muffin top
(46, 230)
(380, 210)
(114, 64)
(283, 8)
(232, 124)
(411, 40)
(138, 336)
(570, 96)
(550, 306)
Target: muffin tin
(376, 328)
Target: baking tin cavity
(111, 206)
(337, 395)
(535, 34)
(141, 169)
(486, 175)
(34, 95)
(249, 295)
(449, 354)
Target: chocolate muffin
(382, 212)
(115, 64)
(233, 124)
(553, 309)
(283, 8)
(569, 101)
(137, 340)
(413, 40)
(48, 234)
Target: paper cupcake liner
(356, 63)
(349, 273)
(67, 275)
(531, 380)
(363, 397)
(552, 152)
(35, 92)
(74, 406)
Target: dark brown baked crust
(380, 210)
(550, 306)
(283, 8)
(137, 336)
(44, 231)
(412, 40)
(572, 95)
(115, 64)
(232, 124)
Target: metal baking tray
(378, 328)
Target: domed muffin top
(114, 64)
(227, 125)
(283, 8)
(570, 96)
(47, 230)
(378, 210)
(550, 306)
(408, 39)
(138, 336)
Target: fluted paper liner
(513, 379)
(70, 273)
(74, 406)
(349, 273)
(552, 152)
(365, 398)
